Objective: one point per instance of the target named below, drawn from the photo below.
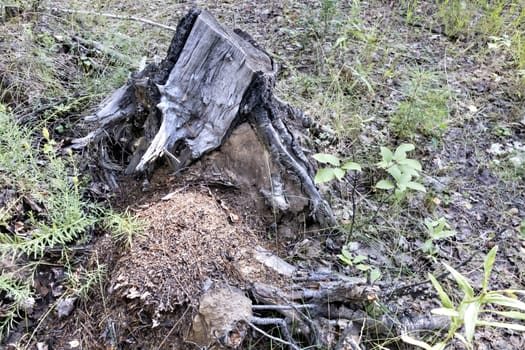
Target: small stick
(283, 307)
(110, 15)
(277, 321)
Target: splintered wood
(213, 72)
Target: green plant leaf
(359, 258)
(411, 163)
(444, 234)
(511, 314)
(362, 267)
(375, 274)
(385, 185)
(345, 259)
(387, 154)
(445, 312)
(408, 170)
(351, 166)
(416, 186)
(326, 158)
(470, 318)
(401, 151)
(324, 175)
(339, 173)
(513, 326)
(462, 282)
(395, 172)
(487, 267)
(427, 246)
(504, 301)
(443, 297)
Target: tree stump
(214, 87)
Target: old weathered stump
(212, 82)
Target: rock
(221, 318)
(66, 306)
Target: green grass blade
(462, 282)
(504, 301)
(487, 267)
(513, 326)
(470, 318)
(445, 300)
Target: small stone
(66, 306)
(74, 344)
(514, 211)
(42, 346)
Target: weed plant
(46, 210)
(424, 109)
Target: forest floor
(450, 80)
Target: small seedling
(123, 227)
(437, 230)
(358, 261)
(402, 170)
(466, 315)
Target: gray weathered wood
(203, 93)
(212, 80)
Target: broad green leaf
(359, 258)
(411, 163)
(470, 318)
(362, 267)
(504, 301)
(445, 312)
(444, 234)
(401, 151)
(409, 340)
(351, 166)
(326, 158)
(403, 181)
(339, 173)
(514, 326)
(511, 314)
(385, 185)
(387, 155)
(443, 297)
(346, 253)
(416, 186)
(375, 275)
(324, 175)
(408, 170)
(487, 267)
(395, 172)
(462, 282)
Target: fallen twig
(276, 321)
(110, 15)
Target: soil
(205, 232)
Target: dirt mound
(190, 243)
